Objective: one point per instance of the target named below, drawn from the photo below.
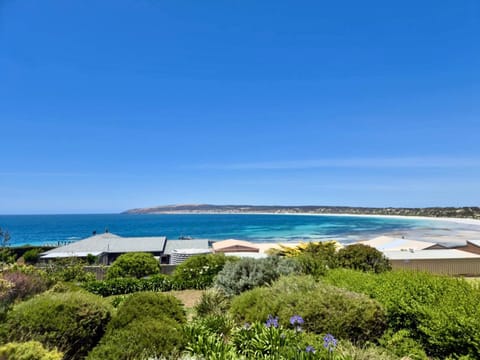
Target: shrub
(148, 305)
(248, 273)
(120, 286)
(324, 308)
(136, 265)
(401, 344)
(32, 350)
(364, 258)
(199, 271)
(69, 270)
(141, 339)
(440, 312)
(74, 322)
(24, 285)
(31, 256)
(212, 302)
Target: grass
(188, 297)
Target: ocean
(51, 229)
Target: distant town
(448, 212)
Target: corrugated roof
(110, 243)
(441, 254)
(387, 243)
(186, 244)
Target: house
(388, 243)
(234, 246)
(107, 247)
(439, 261)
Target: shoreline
(464, 221)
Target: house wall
(455, 267)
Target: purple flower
(310, 349)
(329, 342)
(296, 320)
(272, 321)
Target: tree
(6, 255)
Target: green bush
(247, 273)
(364, 258)
(69, 270)
(148, 305)
(324, 308)
(440, 312)
(120, 286)
(31, 256)
(141, 339)
(147, 324)
(401, 344)
(74, 322)
(136, 265)
(32, 350)
(199, 271)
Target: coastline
(465, 221)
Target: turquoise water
(49, 229)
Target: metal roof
(387, 243)
(186, 244)
(109, 243)
(440, 254)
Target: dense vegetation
(310, 302)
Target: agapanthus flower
(296, 320)
(310, 349)
(272, 321)
(329, 342)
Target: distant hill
(462, 212)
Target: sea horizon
(50, 229)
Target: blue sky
(109, 105)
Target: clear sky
(109, 105)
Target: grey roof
(109, 243)
(441, 254)
(186, 244)
(475, 242)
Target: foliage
(141, 339)
(260, 340)
(149, 305)
(248, 273)
(69, 269)
(19, 283)
(136, 265)
(364, 258)
(91, 259)
(147, 324)
(6, 255)
(31, 350)
(440, 312)
(31, 256)
(120, 286)
(324, 308)
(199, 271)
(212, 302)
(401, 344)
(74, 322)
